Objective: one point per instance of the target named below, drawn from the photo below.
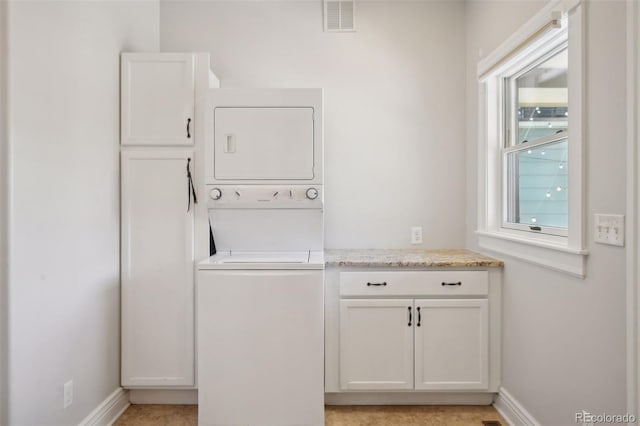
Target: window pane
(542, 99)
(537, 193)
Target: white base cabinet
(412, 330)
(157, 269)
(376, 344)
(393, 344)
(451, 344)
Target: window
(530, 203)
(536, 144)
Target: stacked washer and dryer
(260, 296)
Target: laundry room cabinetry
(158, 96)
(376, 344)
(157, 269)
(163, 229)
(387, 342)
(429, 331)
(413, 344)
(451, 344)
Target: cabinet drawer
(414, 283)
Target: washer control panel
(215, 194)
(264, 196)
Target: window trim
(561, 253)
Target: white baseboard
(409, 398)
(512, 411)
(109, 410)
(164, 396)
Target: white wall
(394, 103)
(395, 156)
(564, 338)
(4, 176)
(64, 130)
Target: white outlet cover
(416, 235)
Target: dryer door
(259, 143)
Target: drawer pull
(419, 316)
(409, 317)
(458, 283)
(378, 284)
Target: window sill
(547, 253)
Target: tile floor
(371, 415)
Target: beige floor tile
(410, 415)
(159, 415)
(365, 415)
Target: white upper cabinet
(264, 143)
(157, 99)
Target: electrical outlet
(609, 229)
(416, 235)
(68, 393)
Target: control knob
(312, 193)
(215, 194)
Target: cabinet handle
(419, 316)
(188, 124)
(409, 317)
(458, 283)
(378, 284)
(191, 190)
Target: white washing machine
(261, 345)
(260, 298)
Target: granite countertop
(409, 258)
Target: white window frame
(547, 47)
(563, 251)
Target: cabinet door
(157, 98)
(157, 245)
(451, 344)
(376, 344)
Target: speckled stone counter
(410, 258)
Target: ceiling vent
(339, 15)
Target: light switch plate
(609, 229)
